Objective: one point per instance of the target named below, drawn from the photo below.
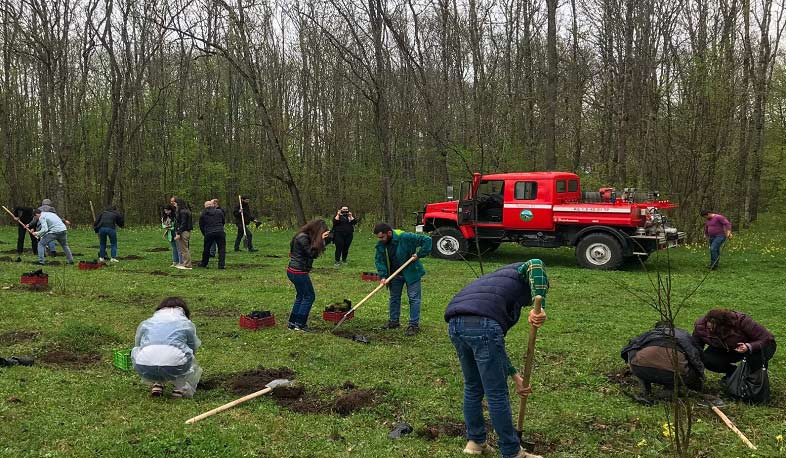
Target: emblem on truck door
(526, 215)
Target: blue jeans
(304, 299)
(175, 252)
(480, 346)
(103, 233)
(50, 237)
(716, 243)
(413, 294)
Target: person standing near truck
(394, 248)
(717, 229)
(479, 317)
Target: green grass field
(575, 411)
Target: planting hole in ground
(246, 382)
(158, 250)
(443, 427)
(160, 273)
(130, 257)
(15, 337)
(73, 360)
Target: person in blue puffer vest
(394, 248)
(479, 317)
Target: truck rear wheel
(449, 243)
(599, 251)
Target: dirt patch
(443, 427)
(217, 312)
(76, 255)
(130, 257)
(7, 259)
(354, 400)
(159, 273)
(246, 382)
(158, 250)
(621, 376)
(73, 360)
(9, 251)
(37, 288)
(273, 256)
(245, 266)
(15, 337)
(298, 400)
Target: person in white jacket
(164, 350)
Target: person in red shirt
(717, 229)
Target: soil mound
(158, 250)
(70, 359)
(443, 427)
(354, 400)
(130, 257)
(246, 382)
(160, 273)
(15, 337)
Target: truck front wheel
(599, 251)
(449, 243)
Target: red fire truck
(549, 209)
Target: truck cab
(549, 209)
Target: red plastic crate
(256, 323)
(369, 276)
(86, 266)
(34, 280)
(335, 317)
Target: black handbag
(749, 384)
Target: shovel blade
(278, 382)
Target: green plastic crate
(121, 359)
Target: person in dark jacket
(307, 244)
(393, 249)
(343, 231)
(25, 216)
(211, 224)
(243, 217)
(729, 337)
(106, 225)
(183, 227)
(479, 318)
(214, 246)
(651, 359)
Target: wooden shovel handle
(242, 216)
(19, 221)
(731, 426)
(529, 361)
(228, 405)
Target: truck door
(466, 204)
(528, 205)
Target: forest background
(380, 104)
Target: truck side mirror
(450, 192)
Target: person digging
(478, 318)
(393, 249)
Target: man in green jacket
(394, 248)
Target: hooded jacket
(743, 330)
(405, 244)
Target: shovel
(530, 357)
(268, 388)
(381, 285)
(716, 404)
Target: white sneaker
(181, 267)
(524, 454)
(174, 264)
(474, 448)
(115, 260)
(101, 260)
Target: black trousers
(722, 361)
(249, 237)
(220, 239)
(342, 241)
(20, 241)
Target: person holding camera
(343, 231)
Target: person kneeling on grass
(164, 349)
(479, 317)
(651, 360)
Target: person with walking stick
(244, 216)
